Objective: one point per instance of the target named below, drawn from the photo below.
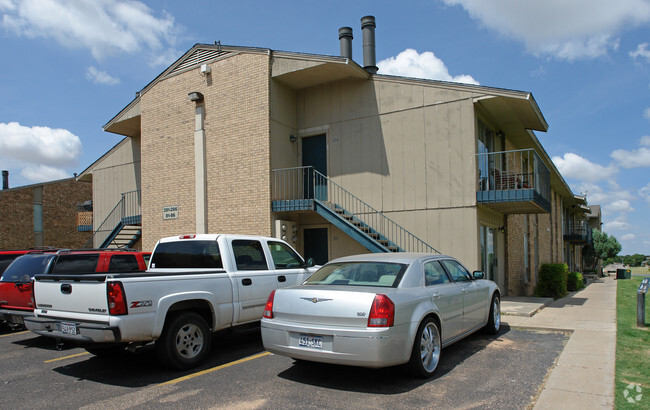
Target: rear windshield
(25, 267)
(380, 274)
(189, 254)
(76, 263)
(5, 260)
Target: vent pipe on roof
(345, 37)
(368, 28)
(5, 179)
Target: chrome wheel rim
(496, 313)
(189, 341)
(430, 347)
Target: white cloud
(100, 77)
(43, 173)
(634, 158)
(646, 113)
(409, 63)
(39, 152)
(104, 27)
(577, 167)
(641, 52)
(628, 237)
(619, 205)
(616, 225)
(645, 192)
(562, 29)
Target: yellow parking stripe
(223, 366)
(17, 333)
(66, 357)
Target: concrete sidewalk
(584, 374)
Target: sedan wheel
(426, 349)
(494, 320)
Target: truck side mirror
(309, 263)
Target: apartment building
(338, 159)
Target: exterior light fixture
(502, 229)
(195, 96)
(292, 138)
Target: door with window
(474, 295)
(288, 265)
(314, 154)
(254, 279)
(447, 296)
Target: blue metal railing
(127, 211)
(295, 189)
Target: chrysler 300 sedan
(379, 310)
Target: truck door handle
(282, 278)
(66, 289)
(247, 282)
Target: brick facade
(236, 102)
(59, 202)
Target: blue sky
(69, 66)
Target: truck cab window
(283, 256)
(249, 254)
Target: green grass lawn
(632, 347)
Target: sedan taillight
(268, 309)
(382, 312)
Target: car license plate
(311, 341)
(18, 320)
(68, 328)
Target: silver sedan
(379, 310)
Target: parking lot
(505, 371)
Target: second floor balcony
(514, 182)
(578, 233)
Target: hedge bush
(552, 280)
(574, 281)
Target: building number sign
(170, 212)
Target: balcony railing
(126, 212)
(304, 188)
(578, 233)
(514, 182)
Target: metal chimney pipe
(368, 28)
(345, 37)
(5, 179)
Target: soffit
(304, 73)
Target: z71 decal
(141, 303)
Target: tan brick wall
(60, 201)
(236, 101)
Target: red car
(16, 282)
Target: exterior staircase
(305, 189)
(122, 228)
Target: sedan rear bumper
(365, 347)
(85, 332)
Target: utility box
(623, 274)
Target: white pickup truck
(195, 285)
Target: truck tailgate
(77, 294)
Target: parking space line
(17, 333)
(206, 371)
(65, 357)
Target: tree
(605, 246)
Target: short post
(640, 302)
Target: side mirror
(477, 274)
(309, 263)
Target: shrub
(552, 280)
(574, 281)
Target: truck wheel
(426, 349)
(184, 342)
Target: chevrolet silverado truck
(195, 285)
(16, 300)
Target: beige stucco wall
(406, 149)
(236, 101)
(114, 174)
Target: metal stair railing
(295, 187)
(127, 211)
